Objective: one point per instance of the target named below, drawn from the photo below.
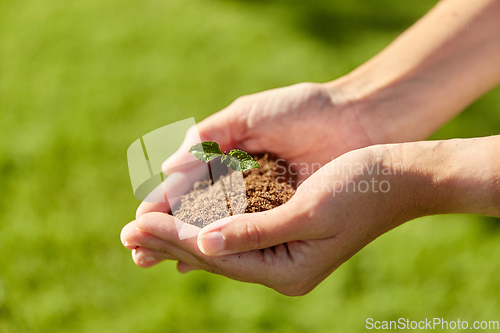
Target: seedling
(237, 160)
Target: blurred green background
(81, 80)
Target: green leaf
(206, 151)
(231, 162)
(246, 162)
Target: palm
(283, 265)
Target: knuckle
(316, 94)
(239, 100)
(306, 85)
(252, 236)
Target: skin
(425, 77)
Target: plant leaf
(231, 162)
(206, 151)
(246, 162)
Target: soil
(265, 188)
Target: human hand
(306, 124)
(302, 123)
(291, 248)
(397, 96)
(369, 191)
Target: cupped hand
(294, 247)
(303, 123)
(307, 124)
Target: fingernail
(131, 244)
(211, 243)
(147, 259)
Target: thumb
(247, 232)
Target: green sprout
(237, 160)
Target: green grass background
(81, 80)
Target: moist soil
(265, 188)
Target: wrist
(429, 74)
(390, 106)
(451, 177)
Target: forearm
(451, 176)
(430, 73)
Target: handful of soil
(265, 189)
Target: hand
(335, 212)
(399, 96)
(303, 241)
(305, 124)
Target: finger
(181, 159)
(133, 238)
(148, 207)
(141, 239)
(144, 257)
(127, 236)
(183, 268)
(255, 231)
(168, 193)
(250, 266)
(167, 228)
(225, 127)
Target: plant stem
(223, 188)
(210, 173)
(225, 195)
